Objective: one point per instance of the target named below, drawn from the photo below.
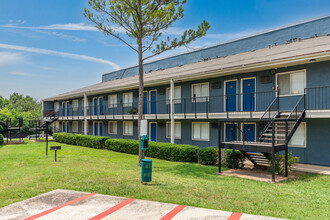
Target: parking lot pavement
(67, 204)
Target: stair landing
(252, 146)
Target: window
(177, 130)
(128, 99)
(112, 101)
(299, 137)
(75, 105)
(112, 127)
(128, 128)
(200, 92)
(291, 83)
(57, 107)
(83, 127)
(201, 131)
(75, 127)
(56, 126)
(177, 95)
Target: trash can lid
(146, 160)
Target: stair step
(253, 153)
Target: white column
(85, 114)
(172, 109)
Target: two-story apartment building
(244, 84)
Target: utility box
(146, 170)
(144, 142)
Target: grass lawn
(25, 172)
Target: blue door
(63, 108)
(95, 129)
(145, 103)
(101, 105)
(249, 132)
(67, 109)
(101, 129)
(63, 126)
(230, 135)
(95, 106)
(248, 94)
(153, 100)
(153, 131)
(231, 96)
(67, 127)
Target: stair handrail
(270, 106)
(244, 135)
(295, 108)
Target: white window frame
(57, 126)
(127, 104)
(114, 105)
(83, 127)
(291, 72)
(224, 128)
(124, 128)
(116, 124)
(305, 141)
(255, 90)
(255, 130)
(168, 126)
(75, 108)
(206, 97)
(176, 101)
(75, 123)
(225, 90)
(56, 107)
(192, 131)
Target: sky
(48, 47)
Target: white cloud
(7, 58)
(64, 36)
(22, 74)
(58, 53)
(68, 27)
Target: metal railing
(317, 98)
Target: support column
(172, 110)
(85, 113)
(219, 143)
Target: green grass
(25, 172)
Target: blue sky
(48, 47)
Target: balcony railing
(317, 98)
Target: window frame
(83, 127)
(192, 92)
(124, 128)
(305, 138)
(192, 131)
(115, 122)
(56, 107)
(168, 124)
(73, 127)
(113, 105)
(127, 104)
(290, 73)
(75, 108)
(167, 92)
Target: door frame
(150, 129)
(255, 91)
(95, 122)
(99, 106)
(149, 96)
(255, 129)
(225, 90)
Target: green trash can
(146, 170)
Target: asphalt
(67, 204)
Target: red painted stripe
(112, 209)
(59, 207)
(174, 212)
(235, 216)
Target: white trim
(192, 131)
(115, 122)
(300, 146)
(113, 105)
(75, 123)
(175, 100)
(255, 90)
(225, 90)
(150, 129)
(124, 128)
(192, 92)
(224, 128)
(255, 129)
(168, 124)
(290, 72)
(127, 104)
(149, 100)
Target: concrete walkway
(306, 168)
(67, 204)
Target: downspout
(172, 110)
(85, 113)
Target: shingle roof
(273, 57)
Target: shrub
(208, 155)
(280, 162)
(82, 140)
(122, 145)
(2, 142)
(239, 159)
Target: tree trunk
(140, 109)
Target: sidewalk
(311, 169)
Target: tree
(140, 25)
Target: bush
(81, 140)
(280, 162)
(2, 142)
(239, 159)
(122, 145)
(208, 155)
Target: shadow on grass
(303, 177)
(191, 170)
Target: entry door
(248, 94)
(229, 132)
(101, 105)
(249, 131)
(231, 87)
(153, 131)
(95, 128)
(68, 109)
(63, 126)
(101, 129)
(63, 108)
(67, 127)
(95, 106)
(145, 103)
(153, 100)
